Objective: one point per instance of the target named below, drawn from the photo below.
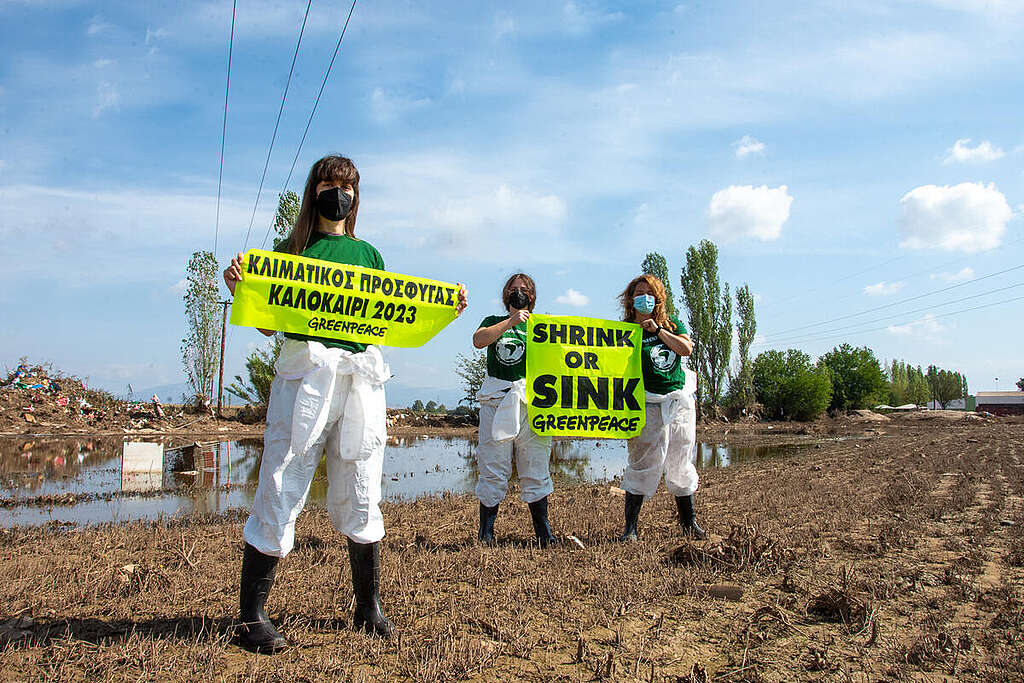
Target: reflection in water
(45, 473)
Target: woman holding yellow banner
(327, 397)
(666, 444)
(504, 429)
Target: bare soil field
(885, 550)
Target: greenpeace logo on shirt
(509, 350)
(662, 357)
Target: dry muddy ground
(897, 556)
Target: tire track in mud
(963, 551)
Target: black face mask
(518, 299)
(333, 204)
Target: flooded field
(87, 481)
(891, 552)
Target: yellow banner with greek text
(308, 296)
(583, 377)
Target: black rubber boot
(256, 632)
(539, 514)
(633, 503)
(487, 517)
(688, 518)
(365, 561)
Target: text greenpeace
(318, 298)
(583, 377)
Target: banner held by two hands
(289, 293)
(583, 377)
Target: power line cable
(224, 128)
(804, 337)
(312, 112)
(842, 279)
(771, 305)
(941, 315)
(902, 301)
(277, 123)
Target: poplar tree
(286, 215)
(710, 321)
(655, 264)
(946, 385)
(742, 388)
(201, 344)
(260, 363)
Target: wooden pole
(220, 382)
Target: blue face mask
(644, 303)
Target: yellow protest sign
(291, 293)
(583, 377)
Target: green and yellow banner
(583, 377)
(291, 293)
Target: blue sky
(843, 157)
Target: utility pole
(220, 382)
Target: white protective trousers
(504, 432)
(666, 445)
(322, 400)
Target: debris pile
(37, 398)
(411, 418)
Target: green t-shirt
(506, 357)
(339, 249)
(663, 368)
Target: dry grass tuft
(744, 548)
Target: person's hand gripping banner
(583, 377)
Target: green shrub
(857, 377)
(789, 387)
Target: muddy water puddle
(79, 481)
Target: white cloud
(967, 217)
(152, 35)
(960, 276)
(504, 25)
(883, 288)
(103, 229)
(926, 327)
(107, 97)
(178, 287)
(387, 107)
(746, 146)
(505, 201)
(100, 63)
(97, 25)
(578, 19)
(996, 9)
(747, 211)
(962, 153)
(573, 298)
(477, 211)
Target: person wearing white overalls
(666, 445)
(504, 430)
(327, 399)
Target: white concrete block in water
(139, 456)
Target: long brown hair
(531, 290)
(659, 314)
(331, 168)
